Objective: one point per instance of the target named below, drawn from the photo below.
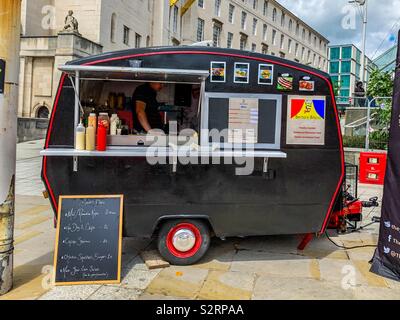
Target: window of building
(290, 25)
(243, 42)
(255, 4)
(303, 35)
(243, 21)
(345, 67)
(334, 67)
(308, 56)
(314, 61)
(309, 37)
(113, 27)
(200, 3)
(319, 62)
(138, 40)
(358, 70)
(282, 45)
(297, 29)
(200, 30)
(42, 112)
(175, 19)
(255, 26)
(148, 41)
(274, 37)
(303, 51)
(217, 28)
(334, 53)
(253, 47)
(274, 14)
(296, 50)
(315, 42)
(217, 10)
(265, 8)
(231, 13)
(126, 35)
(264, 49)
(283, 19)
(344, 93)
(290, 45)
(265, 32)
(346, 52)
(229, 40)
(345, 82)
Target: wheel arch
(162, 219)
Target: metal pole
(10, 22)
(368, 124)
(364, 40)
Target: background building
(255, 25)
(345, 69)
(108, 25)
(387, 61)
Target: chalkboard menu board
(89, 240)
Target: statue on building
(71, 24)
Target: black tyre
(184, 241)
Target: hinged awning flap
(135, 74)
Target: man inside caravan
(146, 115)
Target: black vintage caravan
(292, 130)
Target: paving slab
(273, 288)
(272, 264)
(78, 292)
(183, 282)
(115, 293)
(221, 285)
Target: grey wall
(32, 129)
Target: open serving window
(108, 89)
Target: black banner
(2, 75)
(386, 261)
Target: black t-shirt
(147, 95)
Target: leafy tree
(381, 85)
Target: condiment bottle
(90, 138)
(104, 120)
(80, 136)
(101, 138)
(92, 121)
(113, 125)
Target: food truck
(250, 145)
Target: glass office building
(387, 61)
(345, 70)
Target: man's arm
(141, 115)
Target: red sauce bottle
(101, 138)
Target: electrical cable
(384, 39)
(349, 248)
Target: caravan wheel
(183, 242)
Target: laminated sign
(306, 120)
(2, 75)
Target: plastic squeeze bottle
(101, 138)
(80, 136)
(90, 138)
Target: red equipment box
(372, 167)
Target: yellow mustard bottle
(90, 138)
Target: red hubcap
(192, 251)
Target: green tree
(381, 85)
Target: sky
(341, 22)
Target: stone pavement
(253, 268)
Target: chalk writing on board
(89, 240)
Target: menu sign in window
(243, 120)
(306, 120)
(89, 240)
